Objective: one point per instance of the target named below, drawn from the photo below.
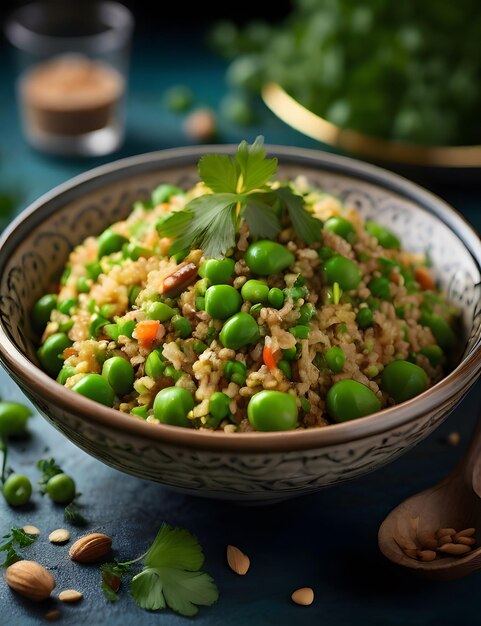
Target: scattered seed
(303, 596)
(238, 561)
(454, 438)
(33, 531)
(411, 552)
(467, 541)
(70, 595)
(52, 615)
(426, 555)
(61, 535)
(444, 531)
(467, 532)
(454, 548)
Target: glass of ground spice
(73, 63)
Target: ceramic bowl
(252, 467)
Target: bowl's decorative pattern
(32, 257)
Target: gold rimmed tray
(297, 116)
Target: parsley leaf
(171, 576)
(157, 587)
(240, 192)
(211, 227)
(307, 227)
(17, 537)
(254, 169)
(49, 468)
(73, 515)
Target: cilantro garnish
(73, 515)
(240, 192)
(171, 575)
(16, 538)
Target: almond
(238, 561)
(30, 579)
(61, 535)
(70, 595)
(91, 548)
(303, 596)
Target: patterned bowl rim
(32, 378)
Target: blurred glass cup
(73, 62)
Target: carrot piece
(268, 358)
(424, 278)
(146, 332)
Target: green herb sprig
(240, 193)
(171, 575)
(72, 512)
(16, 538)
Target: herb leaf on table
(49, 468)
(16, 538)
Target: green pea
(93, 270)
(17, 490)
(385, 237)
(200, 303)
(13, 418)
(219, 405)
(290, 354)
(171, 372)
(110, 242)
(335, 359)
(442, 331)
(83, 285)
(217, 271)
(235, 371)
(61, 488)
(256, 309)
(347, 400)
(96, 324)
(126, 328)
(172, 405)
(276, 298)
(50, 353)
(155, 364)
(41, 311)
(67, 305)
(159, 311)
(380, 288)
(403, 380)
(307, 311)
(325, 253)
(95, 387)
(135, 251)
(341, 227)
(300, 331)
(272, 410)
(434, 354)
(222, 301)
(65, 373)
(199, 347)
(108, 310)
(255, 291)
(164, 192)
(364, 318)
(119, 373)
(182, 326)
(268, 257)
(339, 269)
(285, 368)
(140, 411)
(133, 293)
(239, 330)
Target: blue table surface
(327, 540)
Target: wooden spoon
(455, 503)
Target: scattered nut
(426, 555)
(454, 438)
(70, 595)
(91, 548)
(411, 552)
(444, 539)
(200, 125)
(52, 615)
(61, 535)
(467, 541)
(303, 596)
(467, 532)
(30, 579)
(444, 531)
(33, 531)
(238, 561)
(454, 548)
